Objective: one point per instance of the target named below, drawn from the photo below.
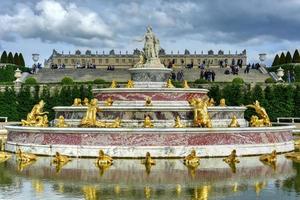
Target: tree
(25, 101)
(215, 93)
(4, 57)
(10, 58)
(9, 107)
(21, 60)
(296, 57)
(282, 59)
(16, 59)
(288, 58)
(276, 60)
(297, 101)
(233, 94)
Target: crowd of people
(208, 75)
(179, 76)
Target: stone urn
(280, 74)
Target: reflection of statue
(261, 113)
(90, 118)
(36, 115)
(201, 116)
(234, 122)
(90, 193)
(61, 122)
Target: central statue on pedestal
(149, 57)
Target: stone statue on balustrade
(150, 55)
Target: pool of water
(168, 179)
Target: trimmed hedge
(67, 81)
(30, 81)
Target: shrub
(30, 81)
(99, 81)
(67, 81)
(200, 81)
(237, 81)
(269, 80)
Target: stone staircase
(122, 75)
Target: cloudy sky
(39, 26)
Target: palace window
(106, 60)
(117, 60)
(129, 60)
(123, 61)
(66, 61)
(59, 61)
(93, 61)
(100, 61)
(72, 61)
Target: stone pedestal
(150, 77)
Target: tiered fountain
(150, 115)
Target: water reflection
(168, 179)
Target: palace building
(127, 60)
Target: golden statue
(232, 158)
(130, 84)
(147, 122)
(90, 118)
(191, 159)
(113, 84)
(4, 156)
(201, 116)
(148, 101)
(59, 159)
(169, 84)
(185, 84)
(148, 160)
(234, 122)
(77, 102)
(42, 121)
(269, 158)
(255, 122)
(35, 115)
(261, 112)
(25, 157)
(211, 102)
(178, 123)
(104, 159)
(222, 103)
(115, 124)
(61, 122)
(85, 102)
(108, 102)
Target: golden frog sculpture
(130, 84)
(35, 116)
(185, 84)
(90, 118)
(147, 122)
(77, 102)
(234, 122)
(60, 159)
(25, 157)
(201, 116)
(61, 122)
(269, 158)
(169, 84)
(191, 159)
(108, 102)
(148, 160)
(104, 159)
(178, 123)
(232, 158)
(261, 112)
(4, 156)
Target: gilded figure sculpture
(85, 102)
(256, 122)
(130, 84)
(4, 156)
(148, 160)
(90, 118)
(61, 122)
(147, 122)
(269, 158)
(211, 102)
(192, 159)
(148, 101)
(35, 116)
(232, 158)
(77, 102)
(185, 84)
(25, 157)
(21, 165)
(261, 112)
(115, 124)
(178, 123)
(201, 116)
(104, 159)
(169, 84)
(222, 102)
(113, 84)
(108, 102)
(234, 122)
(42, 121)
